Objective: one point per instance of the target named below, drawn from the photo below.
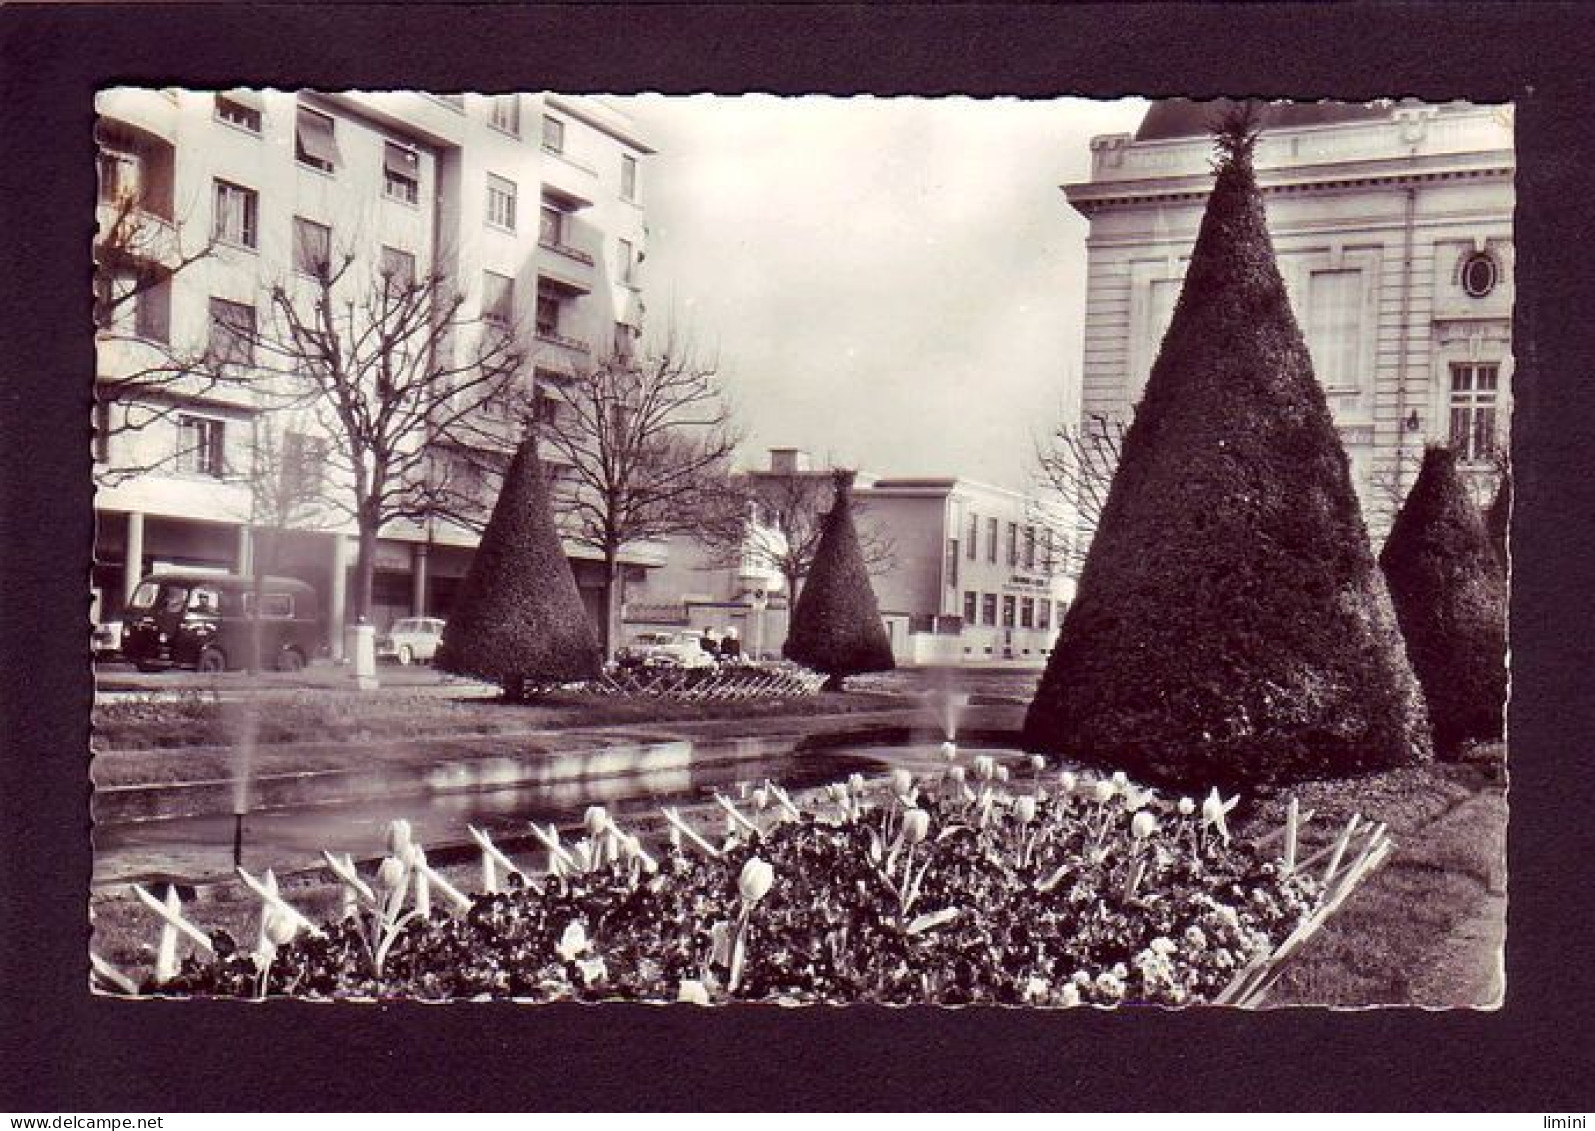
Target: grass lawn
(200, 719)
(1424, 929)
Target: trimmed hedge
(1497, 520)
(1450, 595)
(519, 620)
(836, 625)
(1231, 625)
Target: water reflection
(501, 794)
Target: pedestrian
(731, 646)
(710, 642)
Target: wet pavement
(502, 794)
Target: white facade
(1392, 225)
(963, 572)
(530, 202)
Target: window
(235, 111)
(1027, 612)
(991, 542)
(1334, 327)
(200, 446)
(553, 134)
(119, 176)
(505, 113)
(1013, 543)
(1063, 608)
(1474, 390)
(627, 257)
(545, 406)
(548, 305)
(952, 563)
(273, 606)
(498, 298)
(315, 144)
(1043, 614)
(988, 608)
(398, 267)
(304, 461)
(628, 177)
(236, 215)
(312, 248)
(141, 305)
(971, 606)
(232, 332)
(625, 337)
(401, 173)
(972, 539)
(1030, 547)
(1479, 274)
(500, 202)
(550, 226)
(1008, 604)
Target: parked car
(665, 649)
(209, 622)
(411, 640)
(107, 640)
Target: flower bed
(731, 681)
(943, 891)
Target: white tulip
(916, 826)
(596, 820)
(755, 881)
(692, 992)
(1144, 825)
(1025, 809)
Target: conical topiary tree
(518, 619)
(836, 624)
(1450, 597)
(1230, 624)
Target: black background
(63, 1050)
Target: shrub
(1450, 596)
(1230, 623)
(1498, 518)
(836, 624)
(519, 620)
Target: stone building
(1392, 223)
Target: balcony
(565, 249)
(554, 338)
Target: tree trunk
(365, 565)
(263, 552)
(614, 595)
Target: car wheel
(212, 661)
(290, 660)
(406, 656)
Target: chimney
(788, 461)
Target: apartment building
(963, 572)
(1392, 224)
(531, 205)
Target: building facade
(1392, 225)
(963, 572)
(530, 205)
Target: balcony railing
(554, 337)
(567, 251)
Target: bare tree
(646, 441)
(288, 491)
(778, 521)
(1078, 462)
(390, 367)
(138, 253)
